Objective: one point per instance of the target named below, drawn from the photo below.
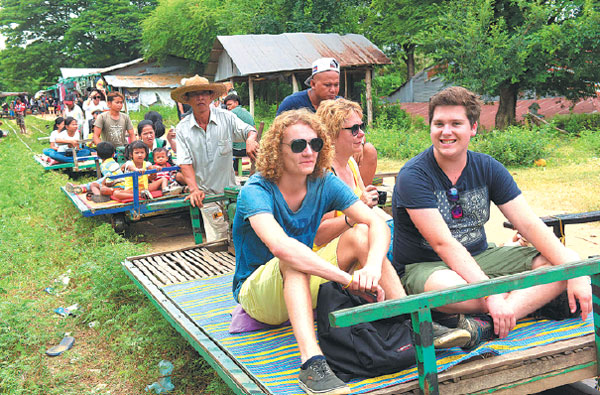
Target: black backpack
(369, 349)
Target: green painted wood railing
(419, 306)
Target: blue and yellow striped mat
(273, 358)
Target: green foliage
(169, 114)
(503, 47)
(394, 26)
(515, 146)
(182, 28)
(189, 29)
(589, 142)
(575, 123)
(397, 135)
(43, 36)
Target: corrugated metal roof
(67, 72)
(144, 81)
(259, 54)
(120, 65)
(77, 72)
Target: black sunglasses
(453, 197)
(355, 128)
(299, 145)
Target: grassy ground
(120, 337)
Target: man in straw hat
(205, 147)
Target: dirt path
(583, 238)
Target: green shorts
(495, 262)
(261, 294)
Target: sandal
(100, 198)
(65, 344)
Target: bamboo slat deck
(186, 264)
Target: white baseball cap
(321, 65)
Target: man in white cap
(205, 148)
(324, 84)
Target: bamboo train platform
(191, 287)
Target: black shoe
(445, 319)
(318, 378)
(557, 309)
(444, 337)
(480, 328)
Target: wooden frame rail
(558, 222)
(419, 307)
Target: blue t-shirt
(421, 184)
(323, 194)
(295, 101)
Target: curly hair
(269, 159)
(333, 114)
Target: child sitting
(139, 152)
(100, 190)
(161, 160)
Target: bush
(589, 142)
(169, 115)
(575, 123)
(515, 146)
(397, 135)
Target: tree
(182, 28)
(43, 35)
(505, 47)
(189, 29)
(395, 25)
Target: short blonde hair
(333, 114)
(269, 158)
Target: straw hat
(195, 84)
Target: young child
(139, 153)
(161, 160)
(100, 190)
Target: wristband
(346, 219)
(347, 285)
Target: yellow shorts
(261, 295)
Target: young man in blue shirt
(441, 202)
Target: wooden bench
(558, 222)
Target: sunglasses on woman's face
(453, 197)
(355, 128)
(299, 145)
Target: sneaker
(444, 337)
(557, 309)
(480, 328)
(318, 378)
(146, 194)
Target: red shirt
(20, 108)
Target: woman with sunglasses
(93, 103)
(343, 122)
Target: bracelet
(485, 297)
(346, 219)
(347, 285)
